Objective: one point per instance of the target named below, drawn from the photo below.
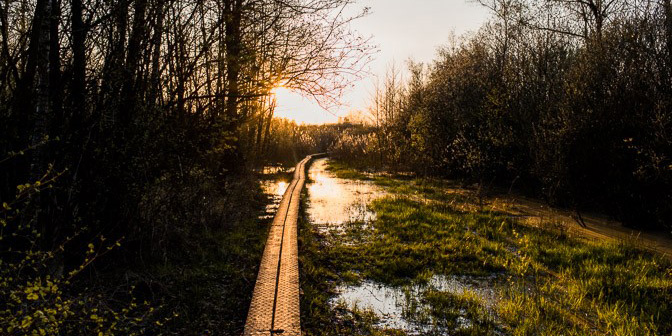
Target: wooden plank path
(275, 301)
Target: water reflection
(274, 190)
(402, 307)
(386, 302)
(281, 188)
(334, 201)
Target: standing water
(334, 201)
(274, 182)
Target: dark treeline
(569, 100)
(127, 131)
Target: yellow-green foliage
(38, 298)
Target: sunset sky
(400, 29)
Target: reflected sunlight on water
(394, 306)
(336, 201)
(274, 190)
(281, 188)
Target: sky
(401, 30)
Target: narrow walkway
(275, 302)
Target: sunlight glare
(294, 106)
(282, 187)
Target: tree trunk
(233, 43)
(42, 109)
(78, 65)
(128, 94)
(154, 90)
(267, 131)
(108, 100)
(5, 56)
(55, 86)
(668, 34)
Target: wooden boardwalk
(275, 302)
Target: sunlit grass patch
(461, 313)
(546, 281)
(345, 172)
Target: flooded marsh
(340, 211)
(415, 309)
(334, 201)
(425, 266)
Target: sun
(292, 105)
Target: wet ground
(335, 204)
(428, 303)
(402, 307)
(274, 181)
(273, 189)
(333, 201)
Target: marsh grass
(547, 282)
(212, 291)
(210, 285)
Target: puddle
(401, 307)
(483, 287)
(273, 189)
(333, 201)
(388, 303)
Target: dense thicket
(569, 99)
(134, 120)
(289, 141)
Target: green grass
(343, 171)
(211, 295)
(210, 285)
(547, 282)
